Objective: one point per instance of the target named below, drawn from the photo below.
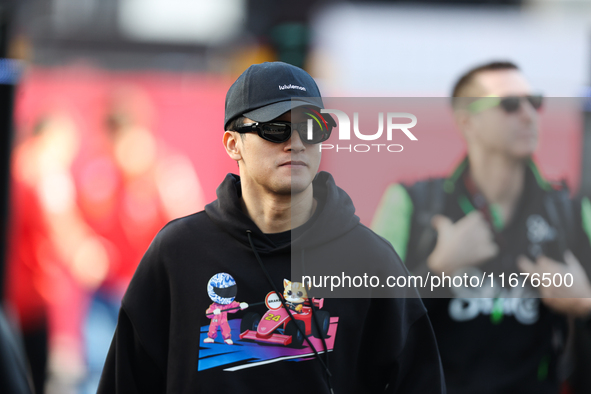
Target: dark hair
(468, 77)
(235, 123)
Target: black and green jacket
(506, 343)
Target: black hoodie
(168, 339)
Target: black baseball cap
(265, 91)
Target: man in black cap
(240, 248)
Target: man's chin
(299, 184)
(292, 185)
(523, 154)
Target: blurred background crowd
(112, 110)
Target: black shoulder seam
(405, 338)
(378, 237)
(142, 343)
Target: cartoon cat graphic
(295, 295)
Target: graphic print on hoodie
(261, 337)
(159, 347)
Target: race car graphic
(278, 328)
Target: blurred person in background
(129, 188)
(54, 256)
(27, 284)
(132, 183)
(495, 213)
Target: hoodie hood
(335, 215)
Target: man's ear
(232, 145)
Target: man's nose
(527, 110)
(295, 142)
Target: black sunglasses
(509, 104)
(279, 132)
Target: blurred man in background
(54, 256)
(129, 187)
(495, 213)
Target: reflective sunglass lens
(510, 104)
(281, 132)
(317, 136)
(319, 133)
(276, 132)
(535, 101)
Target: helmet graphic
(222, 288)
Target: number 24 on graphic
(270, 316)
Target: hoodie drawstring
(316, 355)
(319, 330)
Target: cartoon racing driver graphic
(222, 291)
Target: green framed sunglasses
(509, 104)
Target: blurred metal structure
(14, 375)
(7, 80)
(176, 35)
